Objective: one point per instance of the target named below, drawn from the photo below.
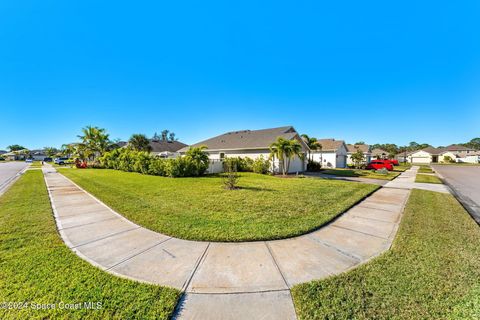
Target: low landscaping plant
(194, 163)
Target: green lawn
(36, 164)
(402, 167)
(431, 272)
(426, 178)
(361, 173)
(425, 169)
(37, 268)
(265, 207)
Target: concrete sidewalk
(407, 181)
(249, 280)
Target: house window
(222, 155)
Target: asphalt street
(8, 172)
(465, 182)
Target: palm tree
(285, 150)
(199, 157)
(312, 144)
(95, 142)
(50, 151)
(139, 142)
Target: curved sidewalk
(249, 280)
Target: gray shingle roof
(330, 144)
(365, 148)
(248, 139)
(170, 146)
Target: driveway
(8, 172)
(465, 182)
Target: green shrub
(261, 165)
(313, 166)
(124, 159)
(157, 167)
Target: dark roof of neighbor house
(330, 144)
(431, 150)
(457, 147)
(351, 148)
(3, 151)
(248, 139)
(166, 146)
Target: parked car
(380, 164)
(47, 159)
(394, 162)
(60, 161)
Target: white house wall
(420, 157)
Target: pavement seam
(199, 261)
(88, 223)
(276, 264)
(368, 207)
(138, 253)
(283, 277)
(368, 234)
(105, 237)
(343, 252)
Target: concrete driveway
(465, 182)
(8, 172)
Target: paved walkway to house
(249, 280)
(407, 181)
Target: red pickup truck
(380, 164)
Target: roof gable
(331, 144)
(249, 139)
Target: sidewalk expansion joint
(195, 268)
(105, 237)
(368, 234)
(88, 223)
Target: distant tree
(156, 137)
(50, 151)
(15, 147)
(171, 136)
(359, 143)
(474, 144)
(358, 159)
(139, 142)
(165, 135)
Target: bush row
(142, 162)
(259, 165)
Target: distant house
(379, 154)
(36, 155)
(426, 155)
(166, 148)
(458, 153)
(2, 152)
(352, 148)
(250, 144)
(161, 148)
(333, 153)
(439, 155)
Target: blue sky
(377, 71)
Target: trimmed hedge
(125, 159)
(259, 165)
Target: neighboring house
(161, 148)
(166, 149)
(2, 152)
(402, 156)
(333, 153)
(250, 144)
(379, 154)
(426, 155)
(37, 155)
(460, 153)
(351, 149)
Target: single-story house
(333, 153)
(36, 155)
(166, 148)
(161, 148)
(458, 153)
(426, 155)
(352, 148)
(2, 152)
(378, 153)
(250, 144)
